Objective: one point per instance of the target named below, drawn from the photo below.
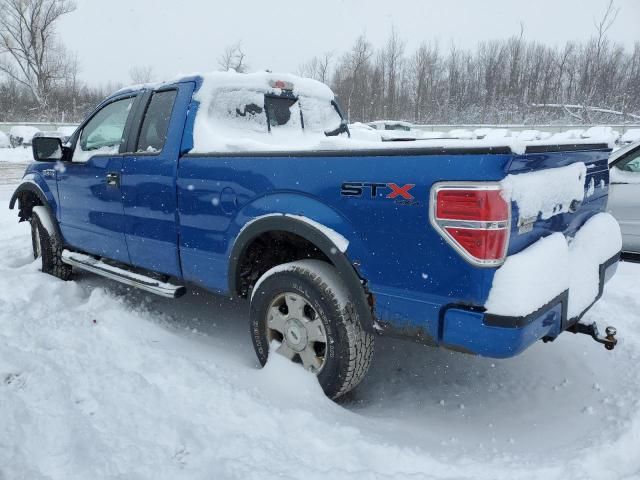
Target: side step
(143, 282)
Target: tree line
(503, 81)
(513, 80)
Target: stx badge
(375, 190)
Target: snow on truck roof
(266, 82)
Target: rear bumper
(497, 336)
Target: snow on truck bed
(101, 381)
(223, 125)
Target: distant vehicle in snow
(394, 130)
(630, 136)
(4, 140)
(624, 196)
(248, 185)
(21, 135)
(361, 131)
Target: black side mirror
(47, 149)
(343, 128)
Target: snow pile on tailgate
(554, 264)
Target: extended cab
(249, 185)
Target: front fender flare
(315, 233)
(29, 185)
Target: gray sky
(183, 37)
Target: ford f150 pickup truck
(249, 185)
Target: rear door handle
(113, 179)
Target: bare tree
(141, 74)
(392, 57)
(318, 68)
(233, 58)
(29, 51)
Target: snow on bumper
(538, 292)
(532, 278)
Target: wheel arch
(317, 235)
(29, 195)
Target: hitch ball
(611, 337)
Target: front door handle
(113, 179)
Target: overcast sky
(110, 36)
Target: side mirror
(343, 128)
(47, 149)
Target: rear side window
(282, 111)
(153, 133)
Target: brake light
(474, 219)
(475, 205)
(281, 84)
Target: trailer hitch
(609, 340)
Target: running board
(143, 282)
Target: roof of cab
(258, 81)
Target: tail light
(474, 219)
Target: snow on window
(242, 109)
(319, 115)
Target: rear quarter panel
(405, 261)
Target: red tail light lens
(481, 243)
(475, 205)
(474, 219)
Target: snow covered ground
(100, 381)
(16, 155)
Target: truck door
(624, 199)
(149, 180)
(89, 187)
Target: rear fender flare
(317, 234)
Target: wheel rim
(37, 246)
(293, 322)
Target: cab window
(104, 133)
(155, 126)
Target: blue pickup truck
(249, 185)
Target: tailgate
(562, 245)
(555, 189)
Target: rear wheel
(304, 307)
(47, 247)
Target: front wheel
(47, 247)
(305, 308)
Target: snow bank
(546, 192)
(531, 278)
(16, 155)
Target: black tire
(348, 348)
(49, 249)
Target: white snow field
(100, 381)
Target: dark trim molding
(374, 152)
(566, 148)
